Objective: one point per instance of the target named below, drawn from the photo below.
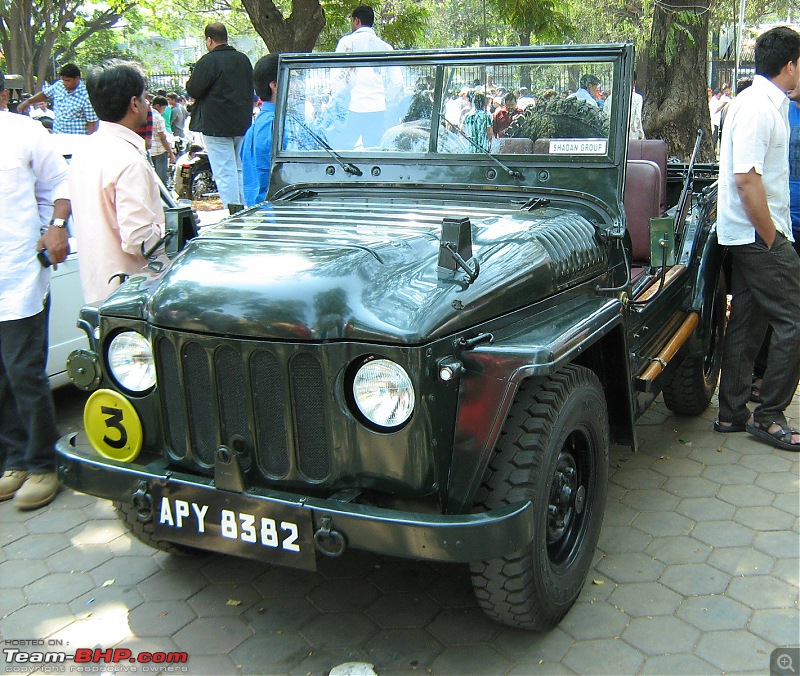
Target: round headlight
(130, 360)
(383, 393)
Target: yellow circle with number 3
(113, 426)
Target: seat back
(654, 150)
(642, 202)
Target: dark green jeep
(417, 347)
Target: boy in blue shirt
(256, 150)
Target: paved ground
(697, 572)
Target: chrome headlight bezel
(382, 394)
(130, 362)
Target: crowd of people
(112, 192)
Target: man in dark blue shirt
(257, 145)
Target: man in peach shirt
(117, 208)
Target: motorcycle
(193, 177)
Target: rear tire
(553, 451)
(691, 388)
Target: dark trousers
(27, 417)
(766, 291)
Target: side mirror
(180, 228)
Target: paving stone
(63, 586)
(723, 534)
(779, 626)
(766, 462)
(223, 599)
(734, 651)
(403, 649)
(631, 568)
(781, 545)
(655, 500)
(761, 591)
(16, 573)
(476, 660)
(691, 487)
(55, 521)
(788, 570)
(280, 582)
(83, 558)
(36, 620)
(695, 578)
(106, 601)
(642, 599)
(35, 547)
(462, 626)
(729, 475)
(763, 518)
(663, 524)
(279, 614)
(741, 561)
(718, 455)
(618, 514)
(778, 482)
(705, 509)
(341, 595)
(529, 648)
(637, 478)
(10, 600)
(594, 620)
(452, 588)
(125, 570)
(127, 545)
(746, 496)
(676, 664)
(678, 467)
(160, 618)
(660, 635)
(618, 539)
(180, 563)
(714, 612)
(788, 503)
(211, 665)
(598, 587)
(354, 563)
(324, 661)
(163, 586)
(70, 499)
(544, 668)
(595, 657)
(100, 509)
(394, 611)
(11, 533)
(212, 635)
(404, 575)
(89, 631)
(95, 532)
(232, 570)
(680, 549)
(334, 630)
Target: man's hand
(56, 241)
(754, 200)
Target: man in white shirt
(753, 222)
(635, 129)
(117, 204)
(160, 148)
(34, 206)
(588, 89)
(372, 90)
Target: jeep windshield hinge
(455, 249)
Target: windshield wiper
(511, 172)
(347, 166)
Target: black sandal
(780, 438)
(730, 427)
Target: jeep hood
(365, 270)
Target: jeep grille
(216, 392)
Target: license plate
(219, 521)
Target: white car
(66, 301)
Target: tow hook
(329, 542)
(143, 503)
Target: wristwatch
(58, 223)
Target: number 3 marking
(114, 422)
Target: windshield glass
(548, 108)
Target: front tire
(143, 531)
(553, 451)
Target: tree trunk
(297, 33)
(675, 101)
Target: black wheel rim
(571, 494)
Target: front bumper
(450, 538)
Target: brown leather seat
(654, 150)
(642, 202)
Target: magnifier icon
(785, 662)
